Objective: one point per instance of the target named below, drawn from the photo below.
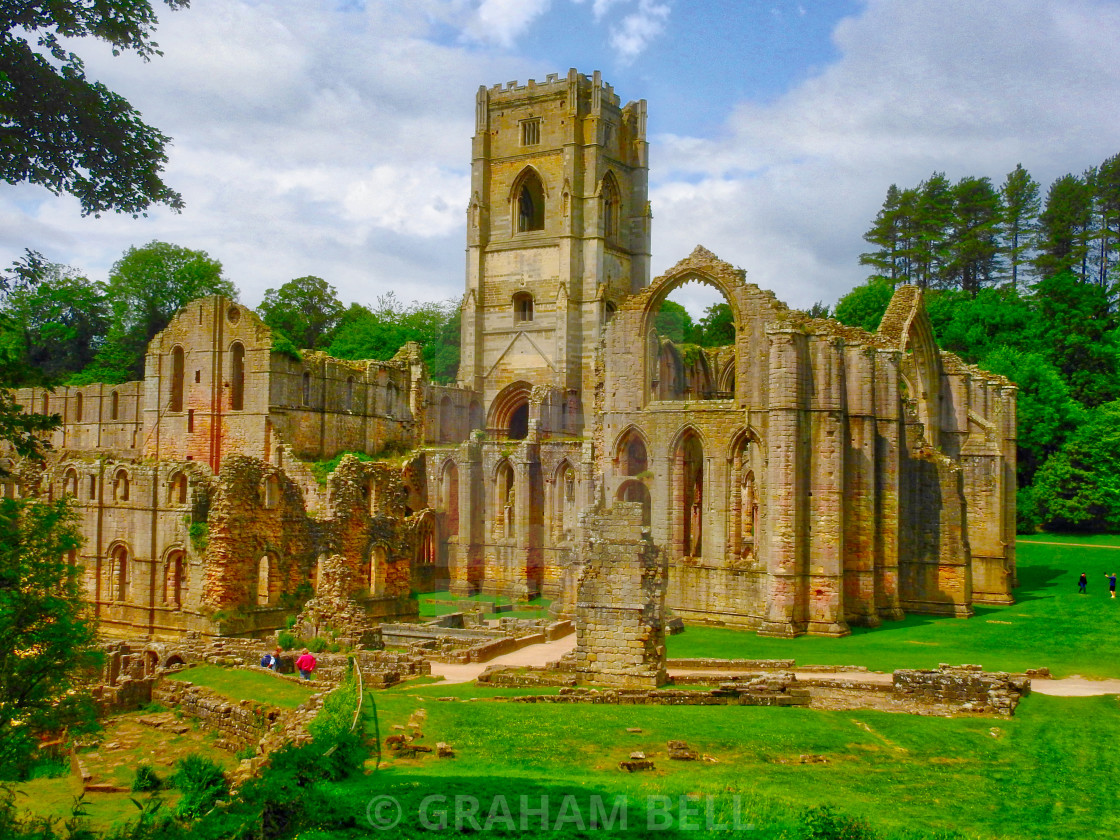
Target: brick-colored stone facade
(803, 479)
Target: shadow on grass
(1033, 580)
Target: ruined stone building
(805, 478)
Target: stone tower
(558, 232)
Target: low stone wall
(731, 664)
(965, 686)
(239, 724)
(771, 690)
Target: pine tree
(1107, 206)
(973, 249)
(1063, 228)
(1020, 194)
(932, 219)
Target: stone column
(889, 440)
(465, 571)
(860, 489)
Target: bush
(201, 782)
(286, 639)
(317, 645)
(825, 823)
(146, 779)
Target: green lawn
(241, 684)
(1051, 625)
(1048, 772)
(536, 608)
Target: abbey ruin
(806, 478)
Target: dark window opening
(519, 422)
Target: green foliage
(65, 132)
(331, 730)
(824, 822)
(973, 326)
(286, 639)
(147, 286)
(673, 322)
(199, 533)
(380, 332)
(307, 309)
(146, 779)
(55, 325)
(322, 469)
(1078, 488)
(317, 644)
(45, 637)
(202, 783)
(285, 346)
(865, 305)
(717, 327)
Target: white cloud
(503, 21)
(636, 30)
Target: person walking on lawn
(1111, 584)
(305, 664)
(1082, 582)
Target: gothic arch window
(523, 308)
(70, 483)
(509, 413)
(237, 376)
(426, 541)
(743, 496)
(177, 489)
(633, 458)
(45, 401)
(114, 406)
(528, 202)
(564, 504)
(635, 491)
(92, 487)
(611, 199)
(177, 373)
(120, 486)
(505, 501)
(687, 529)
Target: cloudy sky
(332, 137)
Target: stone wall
(967, 687)
(239, 724)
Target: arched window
(612, 203)
(120, 486)
(306, 388)
(636, 491)
(688, 488)
(46, 403)
(475, 415)
(237, 376)
(426, 541)
(378, 560)
(120, 573)
(70, 483)
(114, 406)
(505, 501)
(177, 374)
(632, 458)
(529, 202)
(93, 486)
(523, 307)
(449, 488)
(177, 489)
(78, 407)
(173, 580)
(268, 580)
(564, 507)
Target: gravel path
(531, 655)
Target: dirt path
(531, 655)
(1074, 686)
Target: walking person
(305, 664)
(1082, 582)
(276, 660)
(1111, 584)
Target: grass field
(240, 684)
(435, 604)
(1050, 624)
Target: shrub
(825, 823)
(201, 782)
(286, 639)
(146, 779)
(317, 645)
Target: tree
(306, 309)
(380, 332)
(1020, 219)
(147, 286)
(68, 133)
(45, 638)
(973, 327)
(1063, 228)
(673, 322)
(1106, 189)
(1079, 487)
(865, 305)
(932, 220)
(56, 325)
(717, 327)
(973, 247)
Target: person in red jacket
(305, 664)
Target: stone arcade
(805, 478)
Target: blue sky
(333, 138)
